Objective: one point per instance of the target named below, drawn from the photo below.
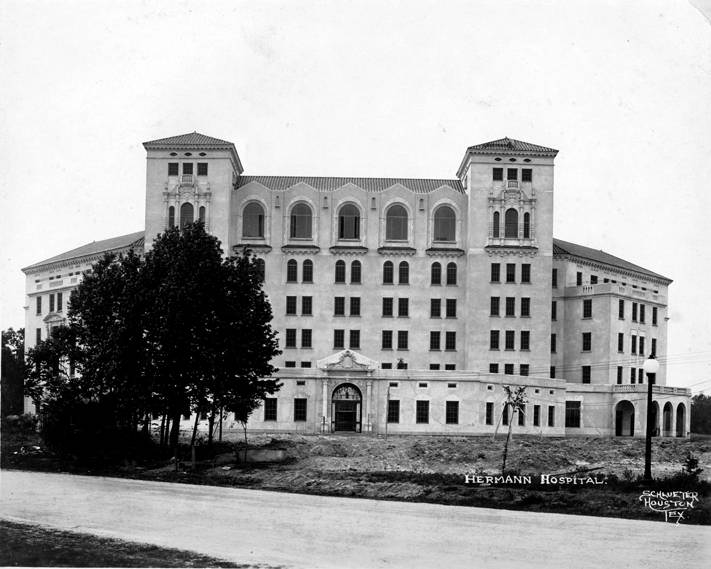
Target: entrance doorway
(624, 419)
(346, 408)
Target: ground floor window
(300, 409)
(270, 409)
(551, 416)
(422, 414)
(489, 413)
(536, 415)
(452, 412)
(572, 414)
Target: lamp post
(651, 366)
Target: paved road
(251, 526)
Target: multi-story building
(407, 304)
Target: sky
(368, 88)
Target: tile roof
(324, 184)
(561, 247)
(509, 145)
(192, 139)
(134, 240)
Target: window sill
(387, 316)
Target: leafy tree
(12, 372)
(701, 414)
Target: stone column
(326, 427)
(368, 404)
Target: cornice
(613, 269)
(444, 252)
(395, 251)
(511, 251)
(348, 249)
(301, 249)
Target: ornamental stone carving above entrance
(347, 360)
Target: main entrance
(346, 408)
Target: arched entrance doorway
(624, 419)
(667, 417)
(654, 417)
(346, 408)
(681, 420)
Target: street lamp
(650, 366)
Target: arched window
(445, 223)
(349, 222)
(403, 273)
(511, 224)
(259, 264)
(171, 217)
(201, 213)
(396, 223)
(451, 273)
(436, 274)
(355, 272)
(253, 220)
(301, 221)
(186, 214)
(496, 224)
(291, 271)
(307, 274)
(340, 271)
(526, 225)
(388, 272)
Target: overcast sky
(381, 88)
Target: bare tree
(515, 401)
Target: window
(171, 217)
(291, 305)
(290, 364)
(553, 343)
(619, 374)
(172, 168)
(641, 313)
(434, 367)
(396, 223)
(450, 341)
(495, 272)
(38, 335)
(451, 308)
(422, 414)
(654, 315)
(300, 222)
(572, 414)
(587, 308)
(511, 224)
(494, 306)
(551, 372)
(270, 409)
(202, 169)
(349, 222)
(525, 340)
(387, 306)
(384, 365)
(451, 386)
(493, 368)
(451, 412)
(536, 415)
(403, 273)
(634, 312)
(522, 416)
(640, 375)
(593, 279)
(187, 168)
(523, 369)
(402, 340)
(587, 341)
(579, 278)
(498, 174)
(354, 340)
(489, 413)
(526, 273)
(450, 367)
(339, 339)
(551, 416)
(494, 340)
(436, 274)
(445, 223)
(554, 310)
(187, 213)
(435, 308)
(525, 307)
(306, 336)
(511, 174)
(510, 306)
(51, 303)
(510, 272)
(355, 272)
(526, 175)
(308, 271)
(386, 340)
(59, 302)
(300, 409)
(621, 309)
(654, 347)
(291, 337)
(451, 273)
(496, 224)
(403, 307)
(633, 345)
(510, 339)
(259, 266)
(306, 305)
(586, 374)
(633, 375)
(291, 271)
(554, 278)
(620, 342)
(641, 345)
(388, 272)
(340, 276)
(201, 214)
(355, 305)
(505, 415)
(339, 306)
(393, 411)
(435, 340)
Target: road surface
(292, 530)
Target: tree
(12, 372)
(515, 402)
(701, 414)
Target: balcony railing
(512, 184)
(187, 179)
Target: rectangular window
(291, 337)
(552, 372)
(621, 309)
(451, 308)
(526, 174)
(512, 173)
(510, 272)
(306, 305)
(641, 345)
(525, 340)
(493, 368)
(640, 375)
(452, 412)
(508, 369)
(387, 340)
(270, 409)
(202, 168)
(494, 340)
(291, 305)
(620, 342)
(339, 306)
(450, 341)
(434, 341)
(633, 348)
(450, 367)
(290, 364)
(489, 413)
(299, 409)
(525, 307)
(505, 415)
(434, 367)
(498, 174)
(554, 278)
(403, 307)
(422, 414)
(526, 273)
(510, 306)
(39, 305)
(522, 417)
(339, 339)
(654, 315)
(619, 375)
(386, 366)
(387, 306)
(572, 414)
(554, 310)
(306, 338)
(355, 305)
(354, 339)
(587, 308)
(435, 308)
(593, 279)
(536, 415)
(172, 168)
(51, 303)
(579, 278)
(495, 272)
(393, 411)
(633, 375)
(494, 306)
(634, 312)
(654, 346)
(187, 168)
(641, 313)
(553, 343)
(523, 369)
(587, 341)
(402, 340)
(586, 374)
(305, 364)
(551, 415)
(510, 340)
(38, 335)
(59, 302)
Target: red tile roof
(510, 145)
(192, 139)
(418, 186)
